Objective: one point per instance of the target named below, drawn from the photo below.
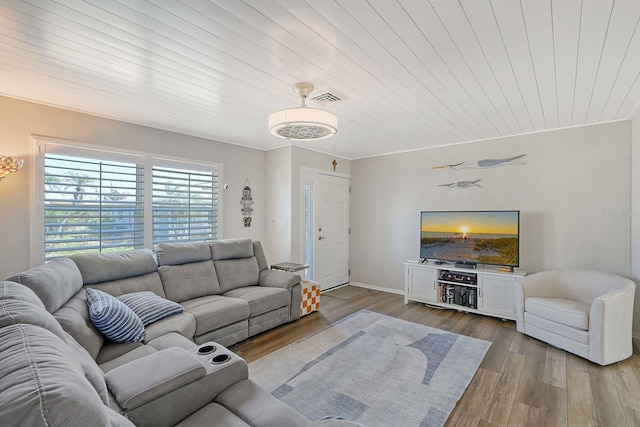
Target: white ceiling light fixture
(303, 123)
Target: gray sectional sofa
(58, 369)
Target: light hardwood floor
(521, 381)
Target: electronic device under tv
(468, 238)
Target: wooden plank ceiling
(411, 73)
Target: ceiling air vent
(328, 97)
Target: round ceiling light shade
(303, 123)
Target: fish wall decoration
(461, 185)
(480, 164)
(485, 163)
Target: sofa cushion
(149, 307)
(178, 253)
(123, 357)
(269, 320)
(109, 266)
(172, 339)
(262, 299)
(560, 310)
(54, 282)
(146, 282)
(14, 290)
(213, 411)
(215, 311)
(227, 335)
(92, 371)
(142, 381)
(187, 281)
(13, 312)
(183, 324)
(74, 318)
(113, 318)
(41, 383)
(237, 273)
(231, 249)
(117, 419)
(549, 328)
(257, 407)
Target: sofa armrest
(143, 380)
(180, 401)
(610, 326)
(279, 279)
(288, 281)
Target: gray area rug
(374, 369)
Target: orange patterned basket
(310, 297)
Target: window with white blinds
(91, 205)
(99, 201)
(185, 205)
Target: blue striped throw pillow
(113, 318)
(150, 307)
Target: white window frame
(39, 144)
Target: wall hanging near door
(247, 203)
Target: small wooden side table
(289, 266)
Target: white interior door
(332, 231)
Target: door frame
(308, 174)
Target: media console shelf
(483, 290)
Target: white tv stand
(435, 285)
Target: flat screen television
(471, 237)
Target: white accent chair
(587, 313)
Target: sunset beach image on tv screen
(489, 237)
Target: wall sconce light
(9, 165)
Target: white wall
(573, 194)
(21, 119)
(278, 216)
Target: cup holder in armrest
(206, 349)
(220, 359)
(215, 356)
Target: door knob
(321, 237)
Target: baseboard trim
(377, 288)
(334, 288)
